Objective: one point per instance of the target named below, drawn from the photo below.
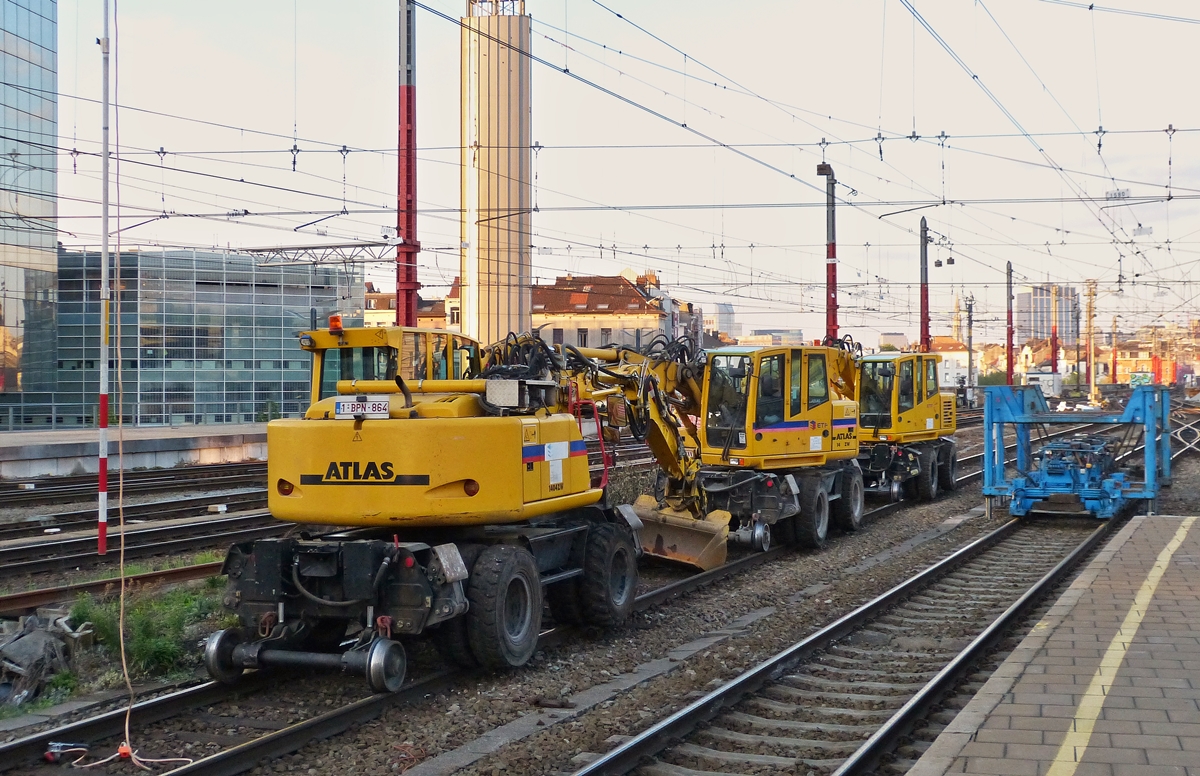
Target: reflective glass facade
(28, 135)
(205, 337)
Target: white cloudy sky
(223, 87)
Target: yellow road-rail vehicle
(907, 425)
(458, 483)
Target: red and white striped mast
(406, 190)
(102, 484)
(831, 303)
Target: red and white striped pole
(406, 191)
(831, 303)
(926, 343)
(102, 485)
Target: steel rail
(135, 533)
(27, 749)
(243, 757)
(628, 755)
(86, 518)
(77, 492)
(131, 475)
(251, 473)
(27, 601)
(187, 544)
(866, 757)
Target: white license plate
(367, 409)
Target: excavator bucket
(679, 537)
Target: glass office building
(28, 233)
(206, 337)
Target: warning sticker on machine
(814, 443)
(556, 477)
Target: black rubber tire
(610, 576)
(783, 532)
(948, 468)
(450, 637)
(812, 524)
(565, 598)
(505, 617)
(927, 480)
(847, 511)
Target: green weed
(156, 624)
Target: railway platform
(1107, 683)
(36, 454)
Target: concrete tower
(497, 170)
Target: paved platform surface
(33, 454)
(1108, 683)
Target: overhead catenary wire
(1124, 11)
(346, 228)
(999, 105)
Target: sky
(685, 140)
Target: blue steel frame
(1024, 406)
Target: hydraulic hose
(318, 599)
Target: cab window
(374, 363)
(463, 353)
(818, 382)
(770, 392)
(931, 378)
(728, 394)
(412, 356)
(906, 396)
(795, 382)
(439, 357)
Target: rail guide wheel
(387, 665)
(218, 656)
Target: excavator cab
(900, 399)
(907, 426)
(775, 407)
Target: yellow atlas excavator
(455, 483)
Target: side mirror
(887, 371)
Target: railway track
(51, 490)
(84, 519)
(1000, 556)
(290, 738)
(226, 709)
(80, 551)
(846, 698)
(837, 701)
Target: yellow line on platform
(1073, 747)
